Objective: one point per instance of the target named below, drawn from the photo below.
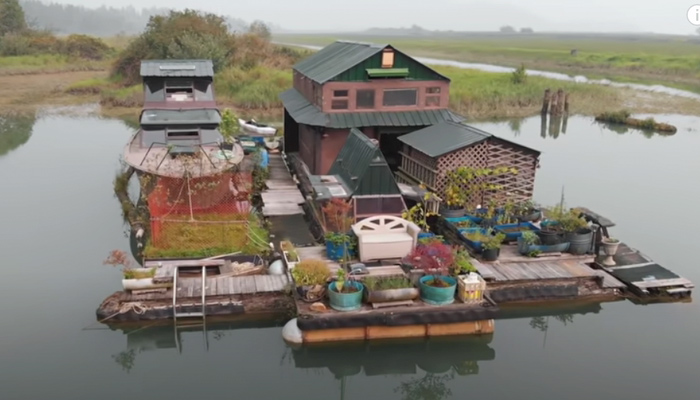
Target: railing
(170, 146)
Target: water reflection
(15, 130)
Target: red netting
(202, 216)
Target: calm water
(59, 221)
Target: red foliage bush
(432, 257)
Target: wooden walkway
(643, 274)
(282, 196)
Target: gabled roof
(177, 68)
(363, 168)
(446, 137)
(306, 113)
(181, 117)
(339, 57)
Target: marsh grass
(47, 63)
(125, 97)
(255, 88)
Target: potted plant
(345, 295)
(462, 262)
(463, 183)
(526, 241)
(475, 237)
(291, 257)
(492, 247)
(389, 288)
(527, 211)
(419, 216)
(133, 278)
(310, 278)
(576, 232)
(435, 259)
(610, 246)
(340, 242)
(228, 127)
(529, 245)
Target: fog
(668, 16)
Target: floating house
(376, 89)
(178, 84)
(429, 154)
(361, 174)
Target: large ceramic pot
(437, 296)
(345, 301)
(549, 237)
(452, 213)
(580, 241)
(610, 249)
(490, 254)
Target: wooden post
(561, 99)
(545, 101)
(566, 103)
(564, 122)
(543, 126)
(553, 104)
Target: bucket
(345, 301)
(438, 296)
(580, 241)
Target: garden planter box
(477, 246)
(526, 249)
(391, 295)
(475, 220)
(336, 252)
(425, 235)
(290, 264)
(514, 231)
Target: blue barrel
(264, 158)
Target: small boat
(272, 143)
(256, 127)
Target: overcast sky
(661, 16)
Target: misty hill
(102, 21)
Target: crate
(471, 292)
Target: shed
(364, 176)
(429, 154)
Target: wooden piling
(566, 103)
(543, 125)
(561, 98)
(545, 101)
(553, 104)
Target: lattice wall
(491, 153)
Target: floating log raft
(623, 118)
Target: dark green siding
(416, 70)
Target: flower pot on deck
(549, 234)
(525, 249)
(452, 212)
(610, 249)
(338, 251)
(290, 264)
(531, 216)
(475, 245)
(437, 296)
(345, 301)
(490, 254)
(311, 293)
(579, 241)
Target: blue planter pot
(437, 296)
(425, 235)
(515, 235)
(337, 252)
(474, 245)
(345, 301)
(475, 220)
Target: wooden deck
(158, 161)
(282, 196)
(643, 274)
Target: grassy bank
(672, 61)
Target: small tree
(519, 76)
(117, 258)
(261, 29)
(229, 125)
(507, 29)
(12, 18)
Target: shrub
(84, 46)
(311, 272)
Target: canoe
(256, 127)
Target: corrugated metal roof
(306, 113)
(363, 168)
(335, 59)
(444, 137)
(181, 68)
(180, 117)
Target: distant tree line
(510, 29)
(102, 21)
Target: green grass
(257, 88)
(670, 60)
(88, 86)
(130, 96)
(46, 63)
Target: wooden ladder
(186, 318)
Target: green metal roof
(446, 137)
(181, 117)
(306, 113)
(179, 68)
(363, 168)
(339, 57)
